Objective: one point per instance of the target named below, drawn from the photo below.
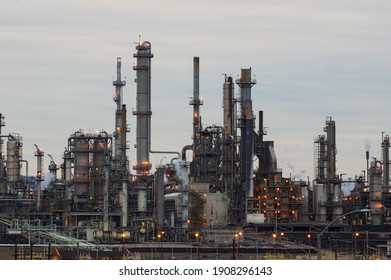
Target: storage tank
(320, 199)
(13, 164)
(375, 193)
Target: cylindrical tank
(375, 193)
(81, 171)
(320, 199)
(337, 202)
(94, 234)
(13, 164)
(142, 200)
(220, 210)
(117, 235)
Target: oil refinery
(229, 201)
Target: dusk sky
(311, 59)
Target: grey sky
(312, 59)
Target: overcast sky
(311, 59)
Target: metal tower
(143, 113)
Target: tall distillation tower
(196, 102)
(120, 162)
(327, 188)
(120, 122)
(143, 113)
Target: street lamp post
(196, 235)
(159, 238)
(320, 234)
(355, 235)
(235, 245)
(309, 246)
(366, 245)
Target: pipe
(27, 189)
(167, 152)
(184, 149)
(10, 136)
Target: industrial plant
(229, 201)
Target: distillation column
(196, 102)
(231, 188)
(14, 157)
(143, 113)
(67, 175)
(334, 183)
(375, 193)
(118, 134)
(229, 136)
(120, 160)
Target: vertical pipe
(26, 189)
(124, 170)
(185, 195)
(159, 197)
(124, 204)
(367, 158)
(124, 130)
(196, 101)
(67, 178)
(106, 196)
(39, 178)
(260, 124)
(386, 161)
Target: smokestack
(247, 129)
